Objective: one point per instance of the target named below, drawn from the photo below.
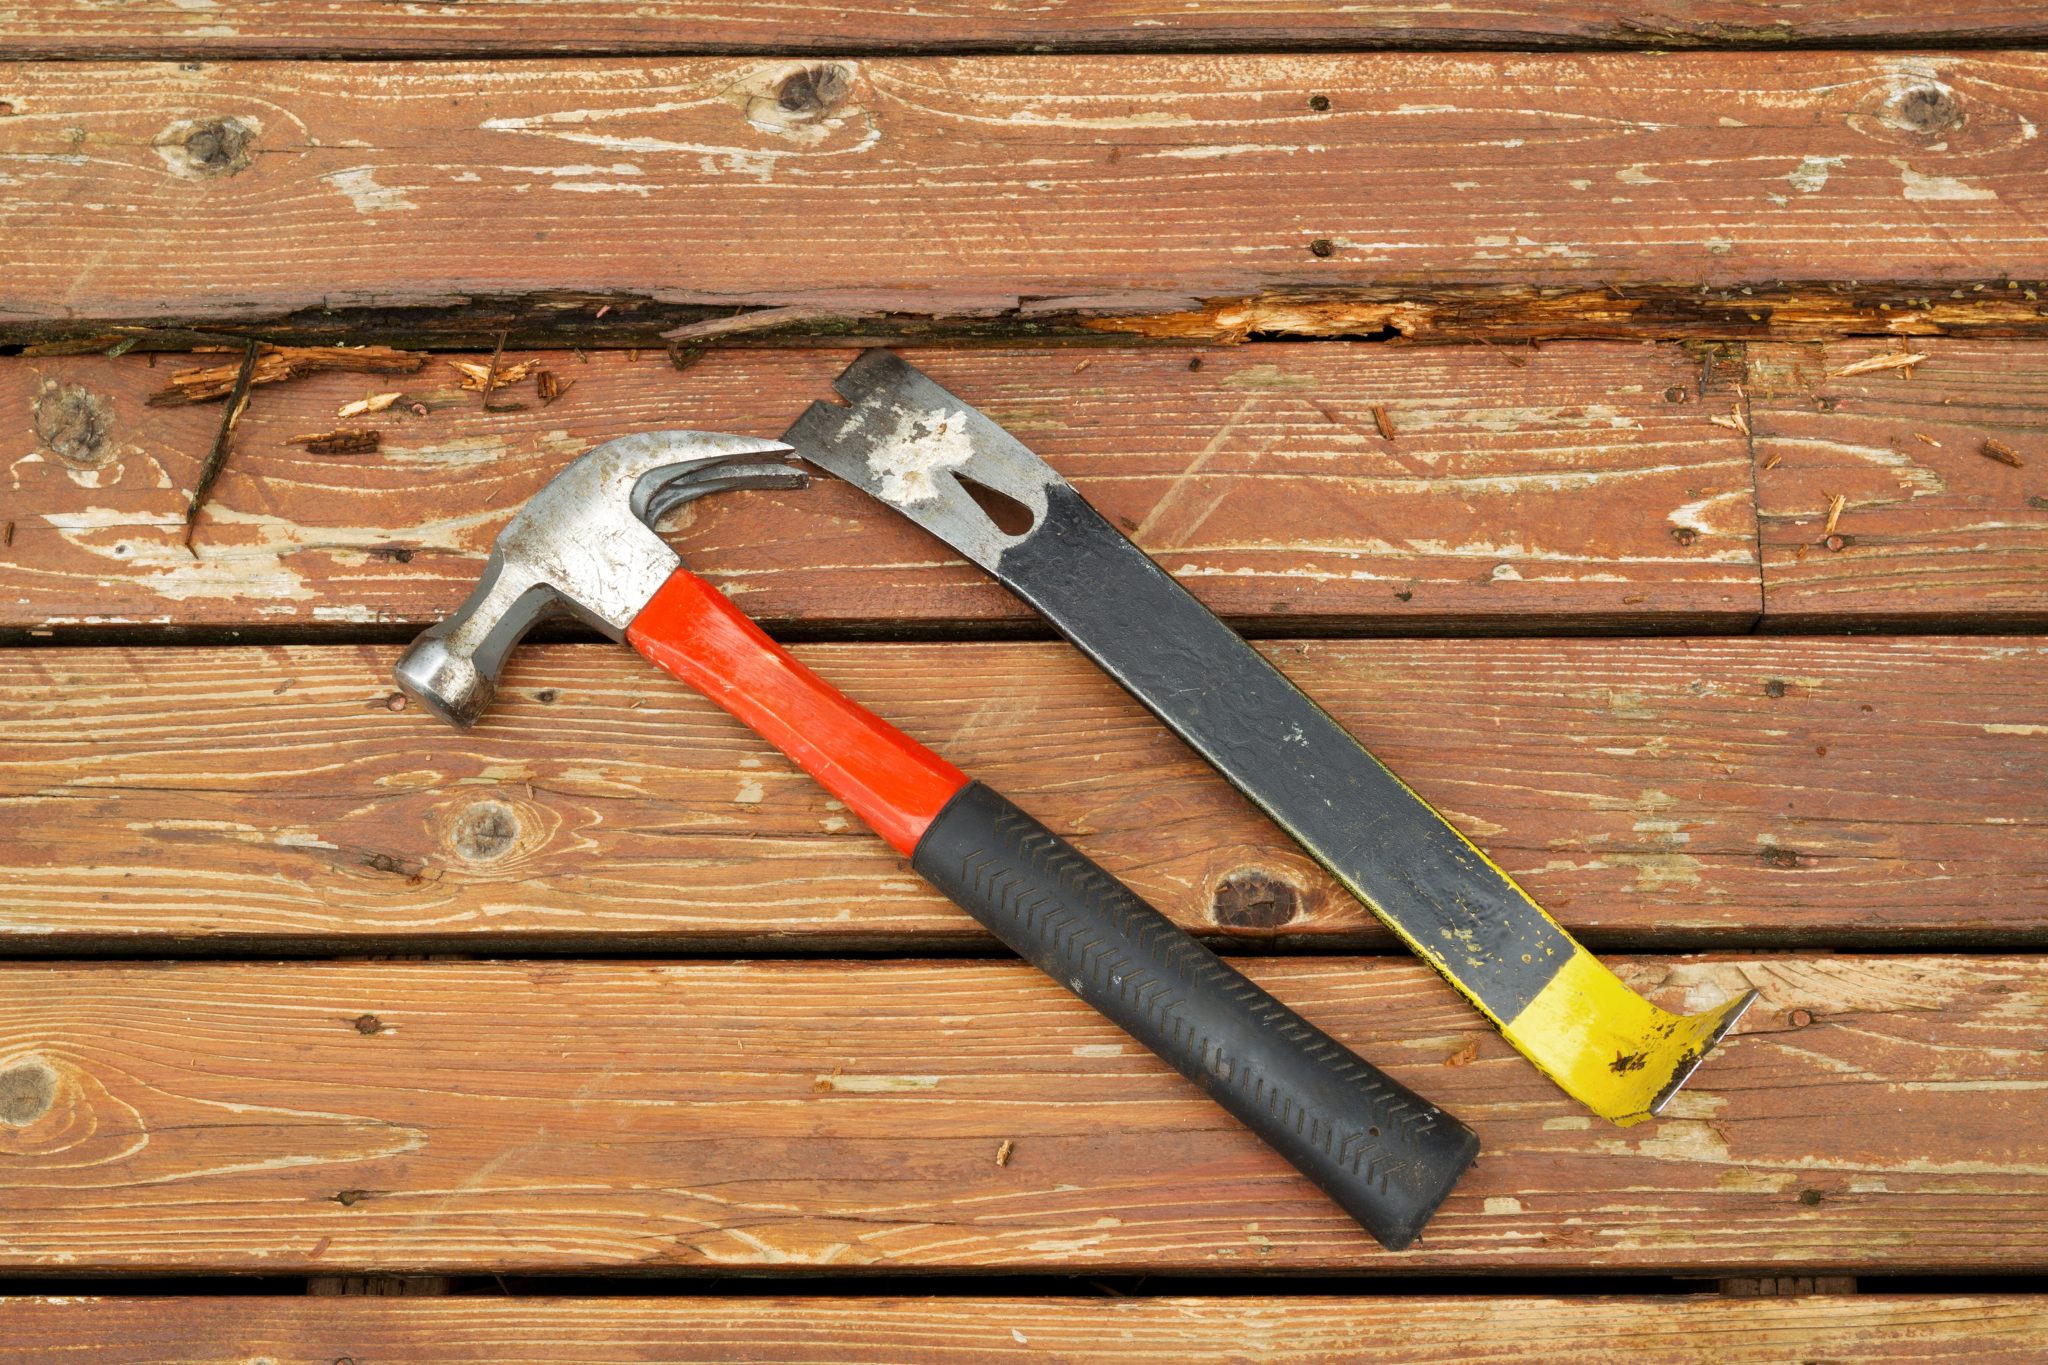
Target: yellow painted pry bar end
(1610, 1049)
(1607, 1046)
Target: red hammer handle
(1384, 1153)
(884, 776)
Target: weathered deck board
(338, 28)
(1296, 1330)
(1581, 486)
(1875, 1114)
(1678, 794)
(1132, 186)
(1933, 532)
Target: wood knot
(74, 424)
(1774, 687)
(27, 1090)
(802, 102)
(203, 149)
(1927, 107)
(1252, 898)
(1776, 856)
(484, 832)
(813, 92)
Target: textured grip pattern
(1385, 1154)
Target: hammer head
(584, 547)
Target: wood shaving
(761, 320)
(342, 441)
(1773, 462)
(1995, 449)
(376, 402)
(1003, 1152)
(475, 376)
(1835, 506)
(1890, 360)
(275, 364)
(1383, 421)
(1734, 421)
(1924, 439)
(549, 386)
(1465, 1055)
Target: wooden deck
(1642, 449)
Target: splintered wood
(275, 364)
(1891, 360)
(223, 439)
(1995, 449)
(1690, 187)
(362, 407)
(1531, 492)
(338, 28)
(477, 376)
(341, 441)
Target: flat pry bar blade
(909, 443)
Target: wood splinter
(217, 458)
(1995, 449)
(549, 386)
(276, 364)
(341, 441)
(1890, 360)
(362, 407)
(492, 377)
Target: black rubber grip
(1385, 1154)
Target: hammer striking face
(584, 548)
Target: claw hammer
(585, 547)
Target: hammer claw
(583, 547)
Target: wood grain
(1582, 486)
(1933, 532)
(351, 28)
(1133, 186)
(1680, 794)
(1295, 1330)
(1875, 1114)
